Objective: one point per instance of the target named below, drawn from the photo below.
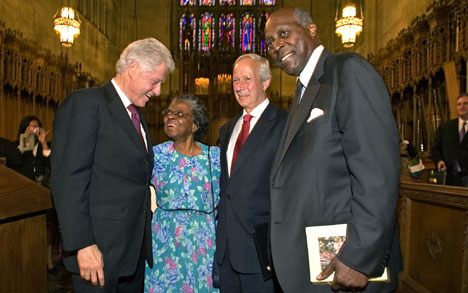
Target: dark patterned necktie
(463, 131)
(241, 138)
(136, 121)
(295, 102)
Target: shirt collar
(460, 122)
(125, 100)
(308, 70)
(257, 111)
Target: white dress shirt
(309, 69)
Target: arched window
(206, 32)
(227, 2)
(267, 2)
(186, 2)
(262, 48)
(227, 28)
(187, 31)
(233, 25)
(207, 2)
(247, 33)
(247, 2)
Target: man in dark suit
(337, 163)
(245, 171)
(450, 149)
(101, 168)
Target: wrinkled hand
(345, 279)
(441, 166)
(91, 265)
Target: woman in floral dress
(187, 191)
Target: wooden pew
(23, 243)
(434, 237)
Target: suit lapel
(118, 111)
(227, 135)
(255, 137)
(302, 111)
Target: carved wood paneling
(433, 223)
(412, 68)
(33, 81)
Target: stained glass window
(227, 2)
(186, 2)
(227, 27)
(247, 33)
(187, 30)
(207, 2)
(267, 2)
(247, 2)
(206, 34)
(262, 50)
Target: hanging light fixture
(349, 25)
(67, 24)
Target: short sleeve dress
(183, 229)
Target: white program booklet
(323, 244)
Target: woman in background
(186, 179)
(30, 160)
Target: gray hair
(148, 52)
(199, 112)
(264, 65)
(302, 17)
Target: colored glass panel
(267, 2)
(261, 29)
(226, 29)
(206, 32)
(186, 2)
(247, 2)
(207, 2)
(247, 33)
(187, 29)
(227, 2)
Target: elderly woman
(185, 176)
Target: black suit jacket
(341, 167)
(447, 147)
(245, 195)
(100, 179)
(25, 162)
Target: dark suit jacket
(245, 196)
(26, 163)
(100, 179)
(342, 167)
(447, 147)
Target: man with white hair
(248, 143)
(101, 168)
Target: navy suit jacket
(447, 146)
(245, 195)
(100, 180)
(340, 168)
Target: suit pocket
(109, 212)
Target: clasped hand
(345, 279)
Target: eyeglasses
(179, 114)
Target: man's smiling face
(290, 45)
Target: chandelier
(349, 25)
(67, 24)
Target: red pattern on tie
(136, 121)
(241, 138)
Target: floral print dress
(183, 236)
